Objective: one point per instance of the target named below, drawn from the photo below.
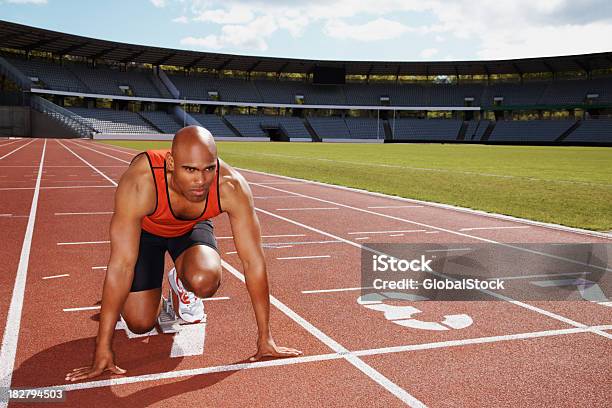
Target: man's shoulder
(138, 176)
(232, 185)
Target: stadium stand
(529, 130)
(112, 121)
(214, 124)
(475, 130)
(50, 75)
(330, 127)
(293, 127)
(163, 121)
(365, 128)
(426, 129)
(597, 131)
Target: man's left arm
(247, 239)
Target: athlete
(164, 202)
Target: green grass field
(563, 185)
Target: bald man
(164, 202)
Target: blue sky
(392, 30)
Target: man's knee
(140, 326)
(204, 282)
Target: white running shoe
(191, 307)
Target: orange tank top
(163, 222)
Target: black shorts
(149, 270)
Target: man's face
(192, 174)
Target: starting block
(168, 320)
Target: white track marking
(382, 232)
(493, 228)
(279, 182)
(307, 208)
(304, 257)
(6, 215)
(361, 238)
(80, 309)
(85, 213)
(216, 298)
(396, 206)
(231, 253)
(276, 196)
(99, 267)
(396, 235)
(270, 236)
(13, 318)
(404, 220)
(89, 164)
(53, 187)
(64, 275)
(541, 276)
(448, 250)
(337, 290)
(368, 370)
(305, 359)
(489, 292)
(102, 153)
(19, 148)
(454, 208)
(84, 243)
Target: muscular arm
(131, 205)
(247, 239)
(237, 201)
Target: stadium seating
(330, 127)
(214, 124)
(529, 130)
(365, 128)
(426, 129)
(163, 121)
(592, 131)
(112, 121)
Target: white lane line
(448, 250)
(98, 267)
(337, 290)
(6, 215)
(132, 152)
(368, 370)
(432, 232)
(19, 148)
(282, 246)
(295, 360)
(439, 274)
(53, 187)
(305, 257)
(56, 276)
(475, 237)
(397, 206)
(10, 143)
(274, 196)
(382, 232)
(396, 235)
(85, 213)
(216, 298)
(80, 309)
(480, 340)
(270, 236)
(361, 238)
(278, 182)
(307, 208)
(493, 228)
(231, 253)
(84, 243)
(540, 276)
(102, 153)
(89, 164)
(13, 318)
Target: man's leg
(199, 269)
(143, 303)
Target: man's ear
(169, 162)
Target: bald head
(193, 141)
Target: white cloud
(159, 3)
(27, 1)
(428, 52)
(181, 20)
(248, 36)
(375, 30)
(492, 29)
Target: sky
(383, 30)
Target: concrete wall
(15, 121)
(46, 126)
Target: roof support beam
(224, 64)
(132, 57)
(72, 48)
(164, 59)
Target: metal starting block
(169, 322)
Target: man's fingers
(117, 370)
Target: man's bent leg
(141, 309)
(199, 269)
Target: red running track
(513, 354)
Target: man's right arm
(134, 198)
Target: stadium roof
(28, 38)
